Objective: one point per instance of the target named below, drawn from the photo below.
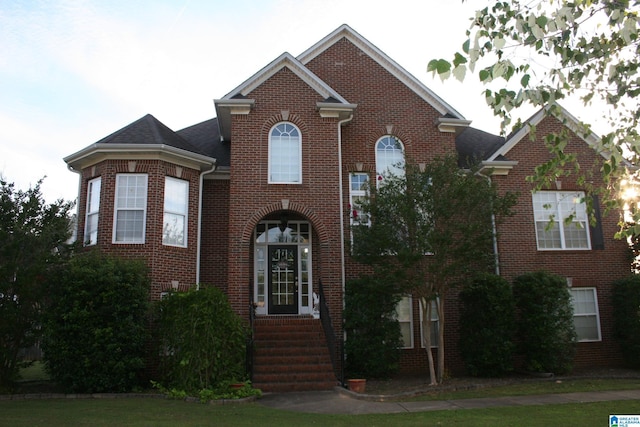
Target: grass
(159, 412)
(165, 412)
(534, 387)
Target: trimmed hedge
(95, 330)
(546, 333)
(626, 317)
(202, 341)
(487, 326)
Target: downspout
(342, 251)
(494, 232)
(199, 242)
(71, 169)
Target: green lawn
(160, 412)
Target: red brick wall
(592, 268)
(166, 263)
(215, 233)
(252, 198)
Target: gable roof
(237, 102)
(344, 31)
(145, 137)
(474, 145)
(205, 136)
(564, 117)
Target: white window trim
(560, 221)
(92, 211)
(144, 211)
(435, 320)
(596, 314)
(353, 194)
(410, 321)
(185, 214)
(270, 181)
(380, 174)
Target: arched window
(285, 154)
(389, 157)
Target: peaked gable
(563, 116)
(344, 31)
(236, 101)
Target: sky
(73, 72)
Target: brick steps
(290, 354)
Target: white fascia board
(98, 152)
(385, 61)
(288, 61)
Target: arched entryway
(282, 266)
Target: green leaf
(484, 75)
(524, 81)
(465, 46)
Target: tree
(538, 52)
(373, 332)
(429, 230)
(33, 238)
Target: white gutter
(199, 238)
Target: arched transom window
(389, 157)
(285, 154)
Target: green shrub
(96, 324)
(626, 317)
(373, 333)
(202, 341)
(546, 333)
(487, 326)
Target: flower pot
(357, 385)
(236, 386)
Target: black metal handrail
(336, 350)
(250, 339)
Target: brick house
(255, 201)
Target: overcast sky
(72, 72)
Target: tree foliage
(33, 237)
(626, 316)
(487, 326)
(538, 52)
(430, 229)
(373, 333)
(96, 324)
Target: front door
(283, 279)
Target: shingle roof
(205, 136)
(474, 145)
(149, 130)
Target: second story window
(285, 154)
(389, 157)
(93, 210)
(130, 208)
(176, 202)
(561, 220)
(357, 196)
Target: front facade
(257, 201)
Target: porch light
(284, 222)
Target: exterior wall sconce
(284, 222)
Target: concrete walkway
(341, 401)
